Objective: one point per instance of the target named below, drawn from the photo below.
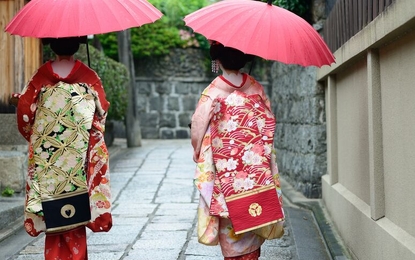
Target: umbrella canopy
(67, 18)
(261, 29)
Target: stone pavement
(154, 213)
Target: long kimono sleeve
(264, 97)
(99, 89)
(26, 109)
(102, 106)
(98, 166)
(200, 122)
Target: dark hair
(64, 46)
(230, 58)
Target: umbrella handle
(252, 66)
(87, 54)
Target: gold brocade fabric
(59, 141)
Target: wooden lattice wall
(19, 57)
(348, 17)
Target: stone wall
(165, 107)
(299, 105)
(13, 155)
(167, 90)
(300, 138)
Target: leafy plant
(158, 38)
(7, 192)
(299, 7)
(114, 77)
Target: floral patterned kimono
(49, 139)
(214, 225)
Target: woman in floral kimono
(86, 108)
(214, 222)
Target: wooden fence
(19, 57)
(348, 17)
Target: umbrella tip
(269, 2)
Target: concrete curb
(11, 216)
(332, 240)
(11, 228)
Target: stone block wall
(13, 154)
(13, 170)
(300, 138)
(165, 107)
(168, 88)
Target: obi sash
(242, 132)
(59, 141)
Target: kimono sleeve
(102, 106)
(264, 96)
(102, 102)
(200, 122)
(26, 109)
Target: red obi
(242, 129)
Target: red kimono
(70, 244)
(214, 216)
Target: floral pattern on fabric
(70, 245)
(213, 224)
(236, 245)
(91, 155)
(60, 136)
(242, 132)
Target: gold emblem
(68, 211)
(255, 209)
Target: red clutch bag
(254, 209)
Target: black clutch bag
(66, 211)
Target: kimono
(88, 144)
(214, 224)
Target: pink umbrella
(67, 18)
(262, 29)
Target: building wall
(398, 110)
(19, 57)
(368, 188)
(300, 137)
(165, 106)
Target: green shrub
(158, 38)
(7, 192)
(299, 7)
(149, 40)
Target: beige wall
(352, 128)
(398, 111)
(369, 189)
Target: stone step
(11, 217)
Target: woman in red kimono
(45, 132)
(227, 161)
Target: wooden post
(132, 124)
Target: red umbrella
(261, 29)
(66, 18)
